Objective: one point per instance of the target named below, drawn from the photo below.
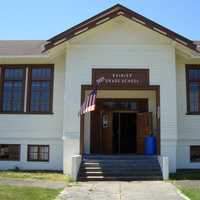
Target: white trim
(59, 41)
(137, 20)
(120, 13)
(160, 31)
(81, 31)
(195, 57)
(26, 88)
(164, 165)
(182, 42)
(13, 140)
(102, 21)
(133, 45)
(76, 163)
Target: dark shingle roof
(21, 47)
(198, 44)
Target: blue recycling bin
(150, 144)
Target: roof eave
(109, 14)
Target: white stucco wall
(55, 155)
(45, 129)
(188, 125)
(121, 43)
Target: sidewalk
(147, 190)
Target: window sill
(43, 161)
(193, 113)
(9, 160)
(28, 113)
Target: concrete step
(119, 157)
(99, 168)
(119, 164)
(119, 161)
(122, 173)
(117, 169)
(119, 178)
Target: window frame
(37, 145)
(26, 99)
(19, 152)
(3, 68)
(188, 68)
(28, 109)
(194, 146)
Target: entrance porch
(121, 121)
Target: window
(13, 80)
(26, 89)
(40, 89)
(9, 152)
(195, 153)
(193, 89)
(38, 153)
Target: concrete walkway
(147, 190)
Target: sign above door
(121, 77)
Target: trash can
(150, 145)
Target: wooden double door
(119, 132)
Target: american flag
(89, 103)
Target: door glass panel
(116, 133)
(124, 133)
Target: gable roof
(111, 13)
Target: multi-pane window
(38, 153)
(195, 153)
(9, 152)
(41, 80)
(13, 89)
(193, 89)
(26, 88)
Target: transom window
(9, 152)
(26, 88)
(193, 89)
(123, 104)
(38, 153)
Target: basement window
(195, 153)
(38, 153)
(10, 152)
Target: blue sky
(42, 19)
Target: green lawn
(192, 193)
(39, 175)
(186, 175)
(27, 193)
